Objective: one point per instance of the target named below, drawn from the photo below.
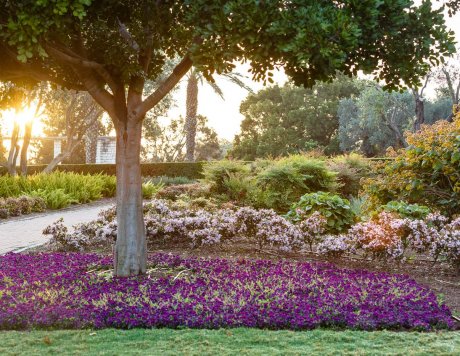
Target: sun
(27, 114)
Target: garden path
(25, 231)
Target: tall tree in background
(448, 77)
(191, 106)
(110, 47)
(76, 113)
(166, 142)
(279, 121)
(20, 98)
(377, 119)
(420, 104)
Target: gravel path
(26, 231)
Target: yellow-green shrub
(427, 172)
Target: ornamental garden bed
(77, 290)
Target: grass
(240, 341)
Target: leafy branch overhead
(61, 40)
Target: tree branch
(75, 60)
(127, 36)
(168, 84)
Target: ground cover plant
(73, 290)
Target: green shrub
(287, 179)
(335, 209)
(192, 170)
(218, 172)
(170, 180)
(405, 210)
(54, 199)
(427, 172)
(149, 189)
(350, 170)
(59, 189)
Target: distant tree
(377, 119)
(167, 142)
(19, 98)
(110, 47)
(419, 99)
(448, 76)
(279, 121)
(193, 80)
(72, 114)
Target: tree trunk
(131, 246)
(419, 113)
(14, 150)
(56, 160)
(91, 142)
(190, 116)
(65, 154)
(25, 147)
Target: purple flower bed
(73, 291)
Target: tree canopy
(284, 120)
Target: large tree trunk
(131, 246)
(25, 147)
(190, 116)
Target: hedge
(192, 170)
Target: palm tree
(191, 105)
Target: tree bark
(25, 147)
(419, 113)
(190, 116)
(14, 150)
(91, 143)
(131, 246)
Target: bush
(149, 189)
(427, 172)
(54, 199)
(194, 190)
(20, 206)
(336, 210)
(170, 180)
(192, 170)
(405, 210)
(287, 179)
(218, 172)
(350, 169)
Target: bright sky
(223, 115)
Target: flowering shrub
(20, 206)
(334, 246)
(384, 236)
(77, 291)
(311, 229)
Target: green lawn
(226, 342)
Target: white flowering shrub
(312, 229)
(384, 236)
(334, 245)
